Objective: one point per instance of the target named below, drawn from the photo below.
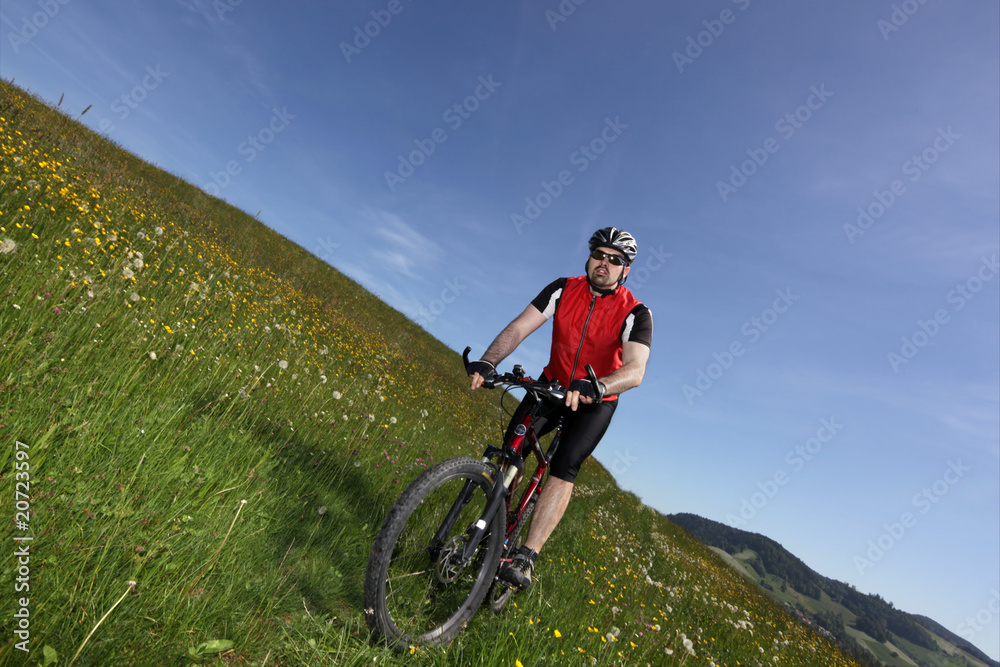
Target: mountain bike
(438, 552)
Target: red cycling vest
(587, 329)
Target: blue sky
(810, 184)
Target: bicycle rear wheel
(417, 591)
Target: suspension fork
(464, 496)
(478, 529)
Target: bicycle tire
(412, 596)
(501, 592)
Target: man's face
(602, 273)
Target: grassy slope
(216, 423)
(907, 654)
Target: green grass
(216, 423)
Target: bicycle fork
(477, 530)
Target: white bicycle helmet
(619, 239)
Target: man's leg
(550, 509)
(579, 440)
(549, 512)
(580, 437)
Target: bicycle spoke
(427, 597)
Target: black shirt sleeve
(548, 298)
(638, 326)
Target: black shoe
(518, 571)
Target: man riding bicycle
(598, 322)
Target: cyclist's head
(616, 239)
(624, 250)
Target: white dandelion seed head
(159, 231)
(134, 296)
(7, 246)
(337, 395)
(322, 379)
(127, 273)
(152, 355)
(392, 420)
(282, 364)
(322, 510)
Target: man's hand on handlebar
(480, 371)
(477, 381)
(584, 391)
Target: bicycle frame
(524, 434)
(473, 535)
(511, 456)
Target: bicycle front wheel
(418, 589)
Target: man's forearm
(627, 377)
(512, 335)
(503, 344)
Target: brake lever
(592, 376)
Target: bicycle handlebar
(517, 378)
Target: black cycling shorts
(582, 432)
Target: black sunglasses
(612, 259)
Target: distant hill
(866, 624)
